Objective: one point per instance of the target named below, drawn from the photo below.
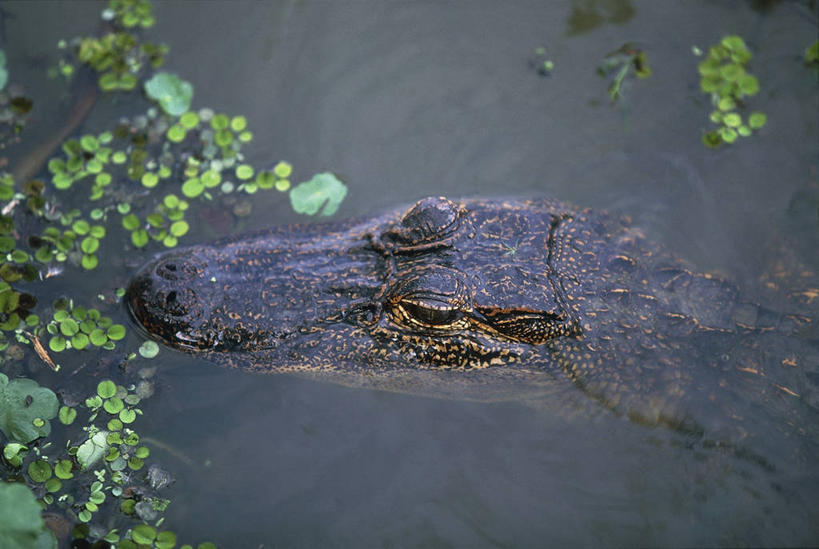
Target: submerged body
(483, 299)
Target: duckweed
(541, 62)
(75, 327)
(724, 76)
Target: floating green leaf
(757, 120)
(14, 453)
(178, 228)
(39, 471)
(211, 178)
(244, 172)
(193, 187)
(21, 524)
(92, 450)
(219, 122)
(748, 84)
(176, 134)
(139, 238)
(53, 485)
(79, 341)
(732, 120)
(62, 469)
(150, 179)
(172, 93)
(116, 332)
(106, 389)
(113, 405)
(81, 227)
(149, 349)
(189, 120)
(22, 401)
(127, 416)
(90, 244)
(130, 222)
(67, 415)
(143, 534)
(324, 192)
(165, 540)
(238, 123)
(283, 170)
(57, 344)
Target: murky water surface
(408, 99)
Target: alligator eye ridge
(429, 223)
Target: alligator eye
(432, 297)
(429, 315)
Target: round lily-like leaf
(21, 524)
(92, 450)
(172, 93)
(322, 194)
(22, 403)
(149, 349)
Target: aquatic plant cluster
(97, 185)
(725, 77)
(119, 56)
(101, 469)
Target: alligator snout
(166, 298)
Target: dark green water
(408, 99)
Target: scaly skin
(482, 299)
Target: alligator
(482, 299)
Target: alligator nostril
(174, 304)
(176, 269)
(172, 271)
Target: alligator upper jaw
(257, 292)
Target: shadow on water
(414, 99)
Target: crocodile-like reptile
(509, 297)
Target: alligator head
(508, 286)
(445, 286)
